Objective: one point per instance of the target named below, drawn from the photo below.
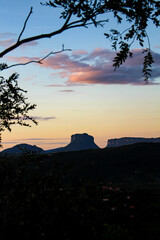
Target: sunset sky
(78, 91)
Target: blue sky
(78, 91)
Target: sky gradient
(78, 91)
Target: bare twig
(40, 61)
(25, 23)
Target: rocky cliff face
(78, 142)
(82, 141)
(116, 142)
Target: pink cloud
(54, 85)
(33, 43)
(10, 41)
(106, 76)
(157, 46)
(30, 78)
(7, 35)
(80, 52)
(6, 43)
(63, 62)
(103, 53)
(96, 67)
(22, 59)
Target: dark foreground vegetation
(110, 194)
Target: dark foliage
(13, 106)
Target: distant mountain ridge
(21, 149)
(78, 142)
(116, 142)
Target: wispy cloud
(67, 91)
(30, 78)
(157, 46)
(7, 35)
(22, 59)
(10, 41)
(39, 118)
(79, 52)
(49, 143)
(54, 85)
(43, 139)
(6, 43)
(13, 142)
(33, 43)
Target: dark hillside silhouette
(101, 194)
(139, 162)
(22, 149)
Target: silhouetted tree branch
(82, 23)
(25, 23)
(40, 61)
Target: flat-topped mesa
(116, 142)
(81, 141)
(84, 137)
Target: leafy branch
(122, 55)
(13, 106)
(121, 41)
(147, 64)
